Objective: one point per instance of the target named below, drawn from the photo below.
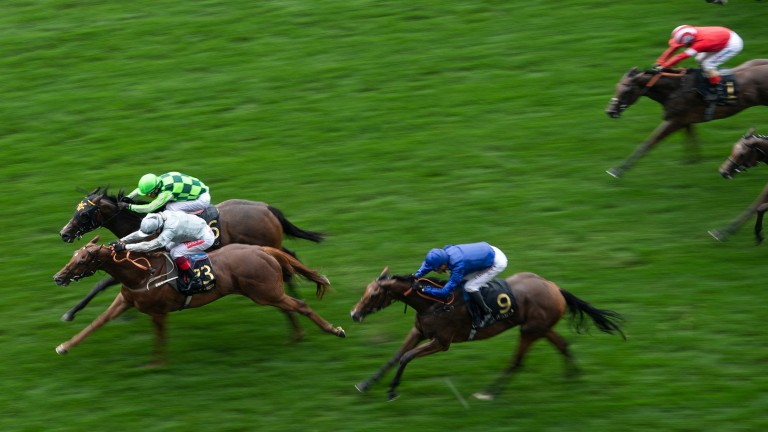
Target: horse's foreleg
(99, 287)
(759, 223)
(662, 131)
(159, 353)
(118, 306)
(413, 339)
(428, 348)
(692, 144)
(723, 233)
(527, 338)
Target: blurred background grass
(396, 127)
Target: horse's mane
(104, 193)
(411, 279)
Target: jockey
(711, 47)
(477, 263)
(174, 190)
(181, 234)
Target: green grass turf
(395, 126)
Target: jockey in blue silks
(477, 263)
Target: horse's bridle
(96, 265)
(90, 210)
(740, 167)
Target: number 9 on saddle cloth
(496, 293)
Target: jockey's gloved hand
(123, 205)
(118, 246)
(657, 68)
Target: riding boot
(187, 275)
(711, 95)
(484, 312)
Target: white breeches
(711, 60)
(198, 205)
(476, 280)
(187, 248)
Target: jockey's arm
(668, 53)
(163, 239)
(423, 270)
(161, 199)
(690, 52)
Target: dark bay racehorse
(241, 221)
(746, 153)
(251, 271)
(540, 305)
(675, 90)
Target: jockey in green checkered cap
(174, 190)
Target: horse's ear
(632, 72)
(384, 273)
(749, 133)
(95, 239)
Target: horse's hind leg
(571, 369)
(99, 287)
(428, 348)
(290, 304)
(118, 306)
(527, 338)
(161, 341)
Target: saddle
(727, 89)
(211, 216)
(202, 267)
(496, 293)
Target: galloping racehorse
(675, 90)
(252, 271)
(241, 221)
(540, 305)
(747, 152)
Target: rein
(652, 81)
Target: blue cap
(436, 258)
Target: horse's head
(91, 213)
(85, 262)
(378, 294)
(628, 91)
(746, 153)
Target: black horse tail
(606, 320)
(294, 231)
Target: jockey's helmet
(436, 258)
(684, 34)
(148, 183)
(151, 224)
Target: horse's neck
(663, 88)
(135, 269)
(122, 224)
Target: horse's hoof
(718, 235)
(483, 396)
(362, 387)
(615, 172)
(392, 396)
(67, 317)
(60, 350)
(340, 332)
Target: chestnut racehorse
(252, 271)
(675, 90)
(241, 221)
(540, 305)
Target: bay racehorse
(540, 305)
(746, 153)
(675, 90)
(252, 271)
(241, 221)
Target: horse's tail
(606, 320)
(291, 265)
(294, 231)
